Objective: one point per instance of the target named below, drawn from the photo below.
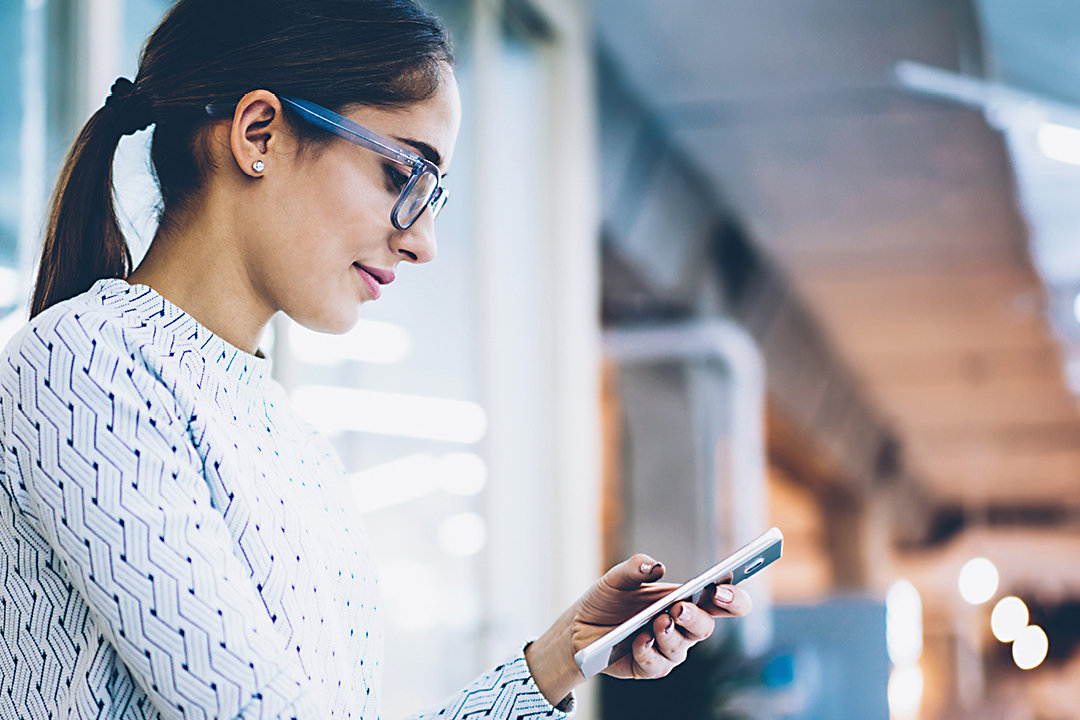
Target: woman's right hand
(623, 591)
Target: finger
(631, 573)
(725, 600)
(693, 622)
(671, 643)
(649, 662)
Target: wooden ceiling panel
(1008, 438)
(965, 366)
(952, 229)
(1023, 401)
(990, 475)
(918, 365)
(941, 313)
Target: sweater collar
(145, 305)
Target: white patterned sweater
(173, 539)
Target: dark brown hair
(332, 52)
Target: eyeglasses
(422, 189)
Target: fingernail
(684, 612)
(668, 624)
(648, 645)
(649, 568)
(724, 595)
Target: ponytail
(83, 241)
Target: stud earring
(258, 166)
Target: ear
(258, 130)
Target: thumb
(631, 573)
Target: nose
(417, 243)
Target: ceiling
(894, 212)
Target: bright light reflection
(1076, 307)
(411, 610)
(460, 605)
(903, 623)
(9, 286)
(978, 581)
(415, 476)
(462, 474)
(1030, 648)
(336, 409)
(905, 692)
(1009, 618)
(10, 325)
(370, 341)
(1059, 142)
(394, 482)
(462, 534)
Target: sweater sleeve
(108, 474)
(507, 692)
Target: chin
(336, 320)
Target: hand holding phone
(617, 642)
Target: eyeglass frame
(357, 134)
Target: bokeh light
(9, 287)
(903, 623)
(978, 581)
(1030, 647)
(1009, 618)
(463, 534)
(905, 692)
(462, 473)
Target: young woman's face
(325, 242)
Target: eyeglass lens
(419, 196)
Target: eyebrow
(429, 153)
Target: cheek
(344, 203)
(328, 216)
(331, 213)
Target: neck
(197, 266)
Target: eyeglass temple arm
(347, 129)
(338, 125)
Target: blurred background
(709, 266)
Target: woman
(174, 539)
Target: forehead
(428, 125)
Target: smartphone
(735, 568)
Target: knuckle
(697, 636)
(676, 647)
(647, 666)
(655, 669)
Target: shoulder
(96, 353)
(93, 322)
(110, 336)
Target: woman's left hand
(622, 591)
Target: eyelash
(395, 180)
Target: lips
(374, 278)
